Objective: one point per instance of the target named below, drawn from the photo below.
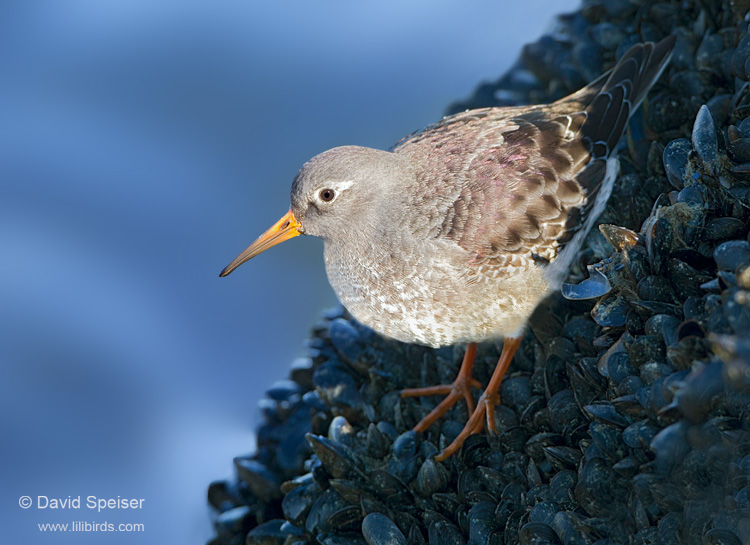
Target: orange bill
(284, 229)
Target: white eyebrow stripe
(346, 184)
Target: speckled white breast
(432, 301)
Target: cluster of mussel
(625, 417)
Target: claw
(486, 406)
(461, 387)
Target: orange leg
(461, 387)
(486, 407)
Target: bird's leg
(486, 406)
(461, 387)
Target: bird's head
(336, 193)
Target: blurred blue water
(143, 144)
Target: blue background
(143, 144)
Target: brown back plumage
(519, 181)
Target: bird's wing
(509, 182)
(512, 185)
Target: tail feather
(625, 87)
(607, 104)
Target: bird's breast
(428, 296)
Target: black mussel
(432, 477)
(729, 256)
(607, 439)
(390, 488)
(405, 446)
(582, 332)
(297, 503)
(337, 459)
(606, 413)
(664, 326)
(370, 504)
(533, 476)
(720, 106)
(415, 536)
(328, 503)
(376, 443)
(236, 520)
(515, 392)
(739, 58)
(634, 321)
(346, 340)
(587, 382)
(599, 488)
(618, 347)
(646, 348)
(336, 385)
(351, 491)
(482, 522)
(741, 171)
(537, 533)
(447, 504)
(656, 288)
(698, 393)
(721, 536)
(346, 519)
(334, 539)
(708, 51)
(594, 286)
(514, 466)
(619, 367)
(378, 529)
(629, 385)
(222, 496)
(569, 528)
(619, 237)
(693, 196)
(607, 35)
(268, 533)
(261, 480)
(536, 444)
(689, 349)
(659, 238)
(340, 431)
(301, 372)
(652, 371)
(685, 278)
(636, 261)
(563, 457)
(471, 487)
(611, 310)
(491, 478)
(704, 138)
(739, 150)
(445, 533)
(670, 446)
(544, 511)
(640, 434)
(562, 485)
(283, 390)
(675, 159)
(723, 229)
(627, 467)
(563, 409)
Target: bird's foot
(485, 411)
(460, 388)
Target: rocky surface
(626, 412)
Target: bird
(456, 233)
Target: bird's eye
(326, 195)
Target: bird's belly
(435, 308)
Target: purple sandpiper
(456, 233)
